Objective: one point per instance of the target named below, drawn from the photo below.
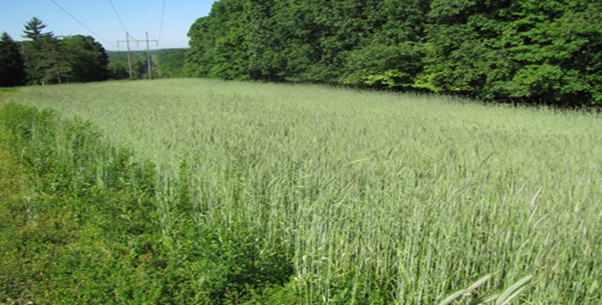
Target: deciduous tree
(86, 58)
(530, 51)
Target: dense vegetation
(529, 51)
(12, 68)
(212, 192)
(46, 59)
(167, 63)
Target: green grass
(6, 92)
(325, 195)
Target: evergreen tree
(12, 70)
(33, 29)
(75, 58)
(42, 54)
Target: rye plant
(356, 197)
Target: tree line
(48, 59)
(528, 51)
(166, 63)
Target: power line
(162, 18)
(149, 56)
(118, 17)
(145, 14)
(129, 39)
(155, 38)
(149, 59)
(80, 23)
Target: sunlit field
(363, 197)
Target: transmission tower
(149, 59)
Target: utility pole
(149, 59)
(127, 42)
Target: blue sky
(138, 16)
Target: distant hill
(167, 63)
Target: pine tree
(41, 54)
(12, 71)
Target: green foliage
(167, 63)
(378, 65)
(33, 29)
(49, 59)
(118, 70)
(536, 52)
(389, 79)
(12, 70)
(41, 54)
(220, 41)
(88, 230)
(118, 65)
(87, 58)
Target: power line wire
(118, 17)
(145, 14)
(83, 25)
(161, 22)
(153, 37)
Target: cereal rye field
(210, 192)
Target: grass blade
(509, 294)
(453, 297)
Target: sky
(101, 21)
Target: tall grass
(372, 197)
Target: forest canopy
(529, 51)
(44, 58)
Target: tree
(41, 54)
(75, 58)
(530, 51)
(86, 59)
(118, 70)
(230, 54)
(33, 29)
(556, 51)
(12, 70)
(200, 54)
(169, 63)
(389, 54)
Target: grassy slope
(14, 273)
(35, 233)
(11, 201)
(424, 194)
(62, 247)
(66, 241)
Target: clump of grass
(97, 231)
